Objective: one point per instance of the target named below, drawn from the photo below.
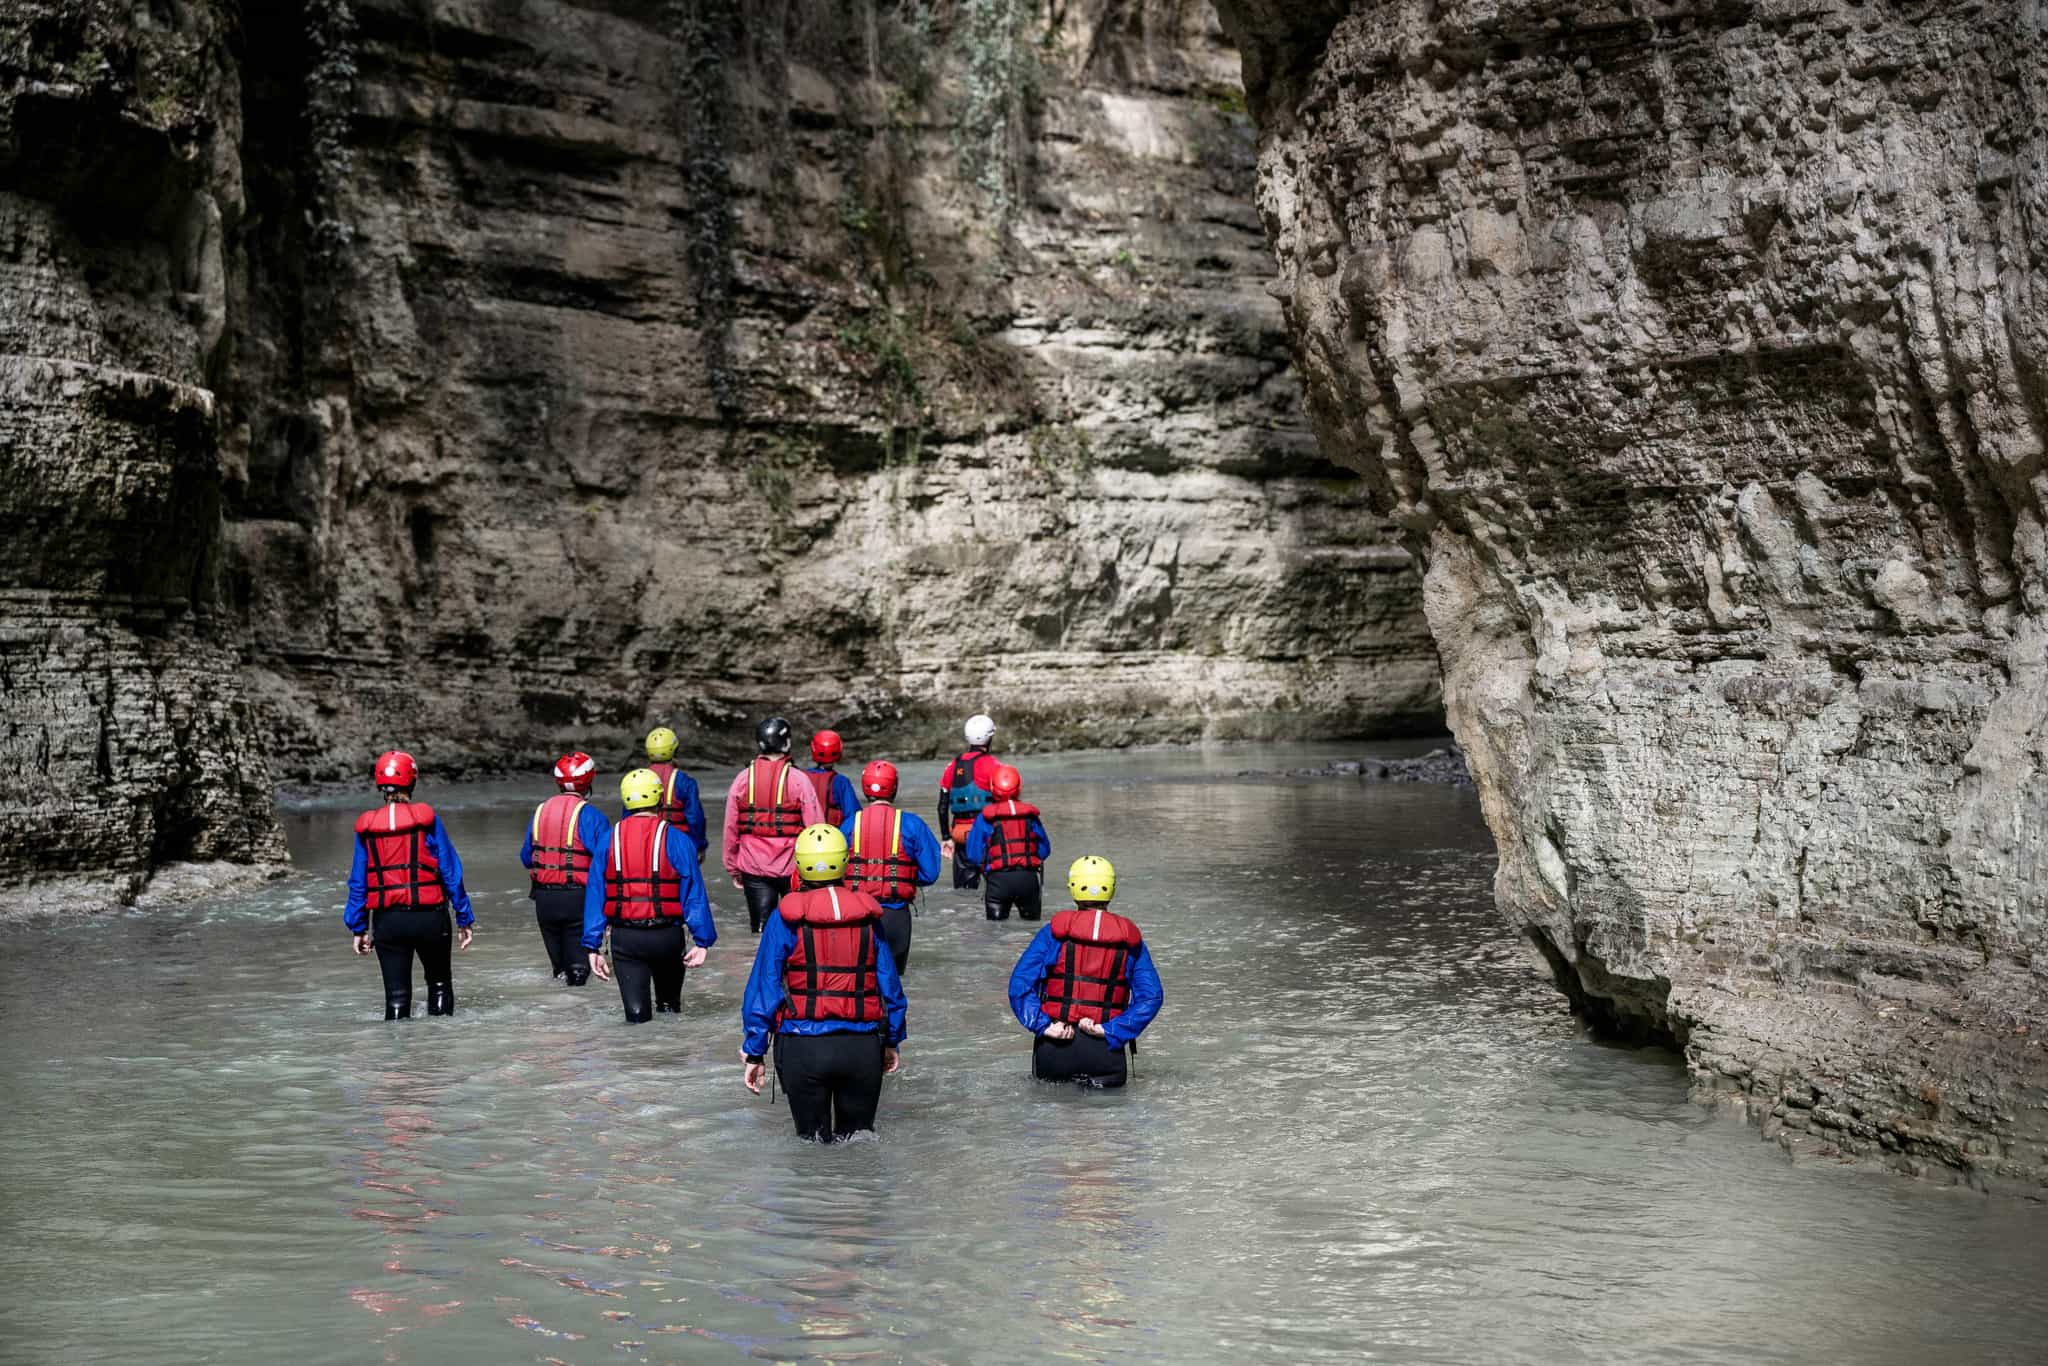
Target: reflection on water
(1362, 1129)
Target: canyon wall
(491, 378)
(873, 363)
(1700, 349)
(124, 733)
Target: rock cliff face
(491, 378)
(876, 363)
(1701, 351)
(126, 738)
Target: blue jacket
(591, 826)
(693, 813)
(918, 839)
(765, 995)
(1147, 995)
(357, 918)
(844, 795)
(976, 852)
(682, 855)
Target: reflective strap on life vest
(890, 877)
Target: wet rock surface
(1698, 349)
(686, 362)
(125, 732)
(1446, 765)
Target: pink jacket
(762, 855)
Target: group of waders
(830, 872)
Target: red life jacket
(640, 883)
(1091, 978)
(669, 808)
(876, 862)
(830, 971)
(1011, 843)
(399, 866)
(823, 784)
(770, 807)
(559, 858)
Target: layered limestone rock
(124, 734)
(1701, 351)
(877, 363)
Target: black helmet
(772, 735)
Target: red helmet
(826, 747)
(1007, 782)
(878, 780)
(394, 768)
(574, 771)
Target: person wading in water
(769, 804)
(1009, 844)
(824, 990)
(680, 805)
(1085, 985)
(645, 889)
(559, 838)
(963, 791)
(892, 854)
(405, 877)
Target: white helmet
(980, 730)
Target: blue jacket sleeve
(451, 873)
(593, 893)
(353, 915)
(693, 818)
(526, 845)
(1028, 976)
(977, 841)
(1147, 995)
(891, 983)
(844, 795)
(682, 852)
(764, 986)
(923, 846)
(592, 826)
(1044, 840)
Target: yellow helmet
(1092, 878)
(661, 744)
(820, 853)
(640, 789)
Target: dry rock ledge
(1701, 352)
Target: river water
(1362, 1130)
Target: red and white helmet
(574, 771)
(878, 780)
(394, 768)
(1007, 782)
(827, 748)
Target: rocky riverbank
(1446, 765)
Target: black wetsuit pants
(398, 935)
(1083, 1058)
(648, 961)
(764, 894)
(833, 1081)
(896, 933)
(966, 876)
(1008, 887)
(560, 913)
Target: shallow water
(1362, 1130)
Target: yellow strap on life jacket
(575, 840)
(896, 835)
